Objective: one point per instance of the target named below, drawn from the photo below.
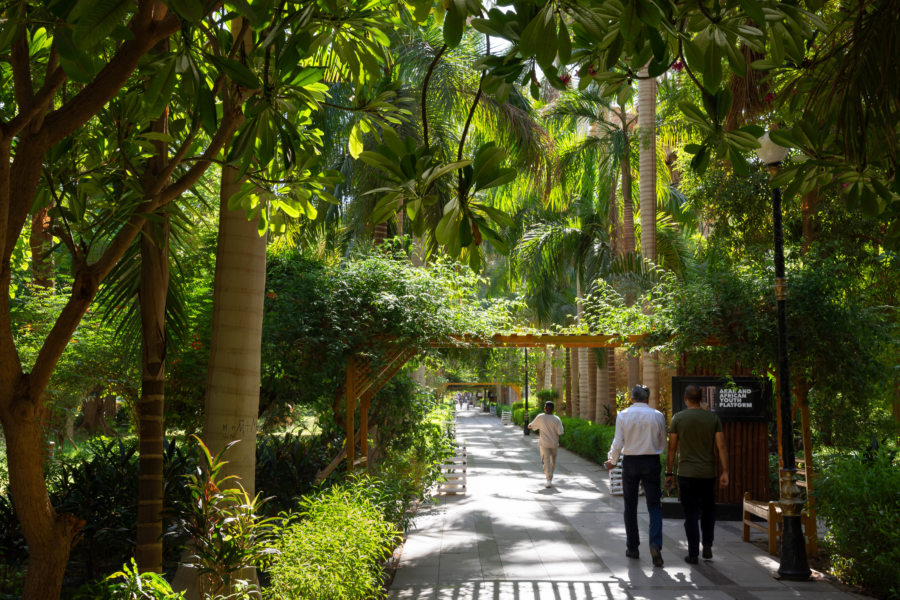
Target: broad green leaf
(356, 145)
(501, 177)
(498, 216)
(206, 105)
(189, 10)
(630, 23)
(435, 172)
(307, 76)
(265, 140)
(488, 157)
(453, 27)
(237, 72)
(465, 233)
(693, 113)
(98, 20)
(447, 226)
(159, 88)
(75, 63)
(783, 138)
(564, 43)
(386, 207)
(9, 25)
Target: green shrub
(129, 584)
(548, 395)
(586, 438)
(859, 500)
(335, 550)
(518, 413)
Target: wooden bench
(770, 512)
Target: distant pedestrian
(550, 427)
(695, 434)
(641, 437)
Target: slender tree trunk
(592, 385)
(575, 377)
(232, 389)
(581, 353)
(151, 428)
(628, 233)
(568, 383)
(647, 128)
(627, 200)
(549, 382)
(558, 374)
(233, 375)
(154, 287)
(647, 137)
(606, 384)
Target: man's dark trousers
(636, 470)
(698, 499)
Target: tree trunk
(233, 374)
(152, 293)
(627, 200)
(49, 534)
(592, 385)
(574, 380)
(647, 129)
(568, 383)
(232, 389)
(613, 389)
(647, 137)
(582, 354)
(549, 381)
(151, 428)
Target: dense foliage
(840, 342)
(319, 313)
(858, 497)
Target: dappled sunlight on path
(510, 538)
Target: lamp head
(769, 152)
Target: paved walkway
(509, 538)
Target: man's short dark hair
(692, 393)
(549, 404)
(640, 393)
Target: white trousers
(548, 459)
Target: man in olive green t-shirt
(695, 433)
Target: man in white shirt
(641, 438)
(550, 427)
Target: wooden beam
(539, 340)
(351, 395)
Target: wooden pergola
(480, 384)
(364, 380)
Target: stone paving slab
(510, 538)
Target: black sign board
(734, 399)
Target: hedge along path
(364, 378)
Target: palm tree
(565, 250)
(648, 157)
(593, 164)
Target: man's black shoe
(707, 552)
(691, 560)
(656, 555)
(632, 554)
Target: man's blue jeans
(636, 470)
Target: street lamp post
(525, 430)
(794, 564)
